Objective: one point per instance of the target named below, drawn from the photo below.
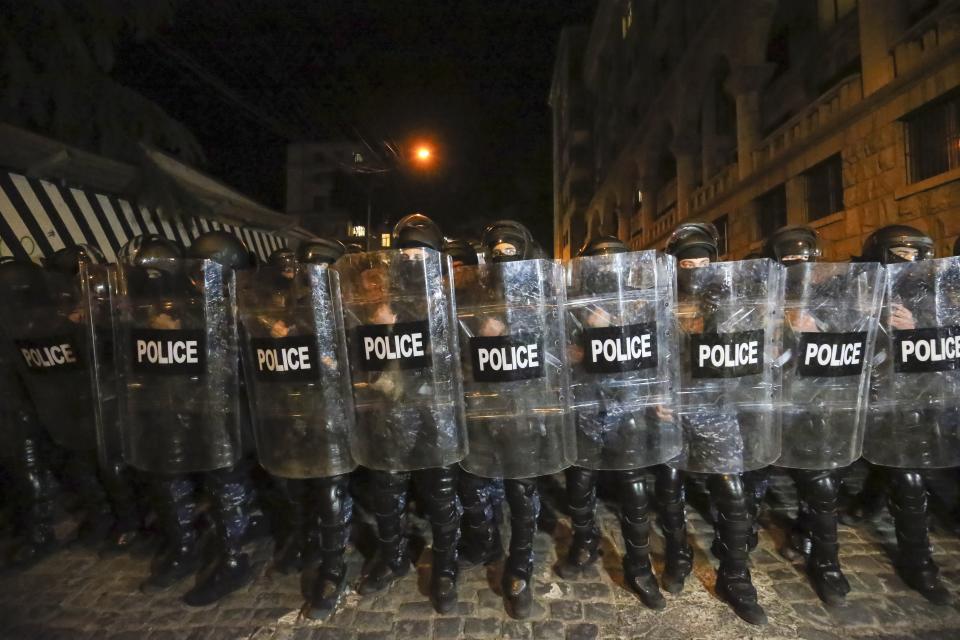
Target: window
(772, 211)
(358, 231)
(626, 20)
(933, 139)
(722, 224)
(385, 240)
(824, 188)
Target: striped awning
(38, 217)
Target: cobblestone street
(75, 595)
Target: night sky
(472, 75)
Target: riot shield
(98, 287)
(729, 314)
(17, 416)
(407, 390)
(515, 369)
(47, 333)
(829, 329)
(913, 418)
(178, 362)
(295, 366)
(622, 345)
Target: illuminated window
(357, 157)
(384, 240)
(358, 231)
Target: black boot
(635, 525)
(439, 486)
(673, 524)
(180, 556)
(333, 513)
(35, 502)
(291, 530)
(818, 491)
(524, 501)
(734, 583)
(908, 504)
(582, 503)
(391, 561)
(97, 521)
(127, 530)
(480, 541)
(231, 569)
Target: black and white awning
(38, 217)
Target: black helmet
(20, 279)
(604, 246)
(792, 244)
(417, 230)
(68, 259)
(354, 247)
(320, 251)
(461, 251)
(222, 247)
(694, 240)
(880, 246)
(283, 258)
(507, 240)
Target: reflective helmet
(150, 250)
(283, 258)
(222, 247)
(132, 247)
(461, 251)
(68, 259)
(694, 240)
(320, 251)
(897, 243)
(793, 244)
(604, 246)
(507, 240)
(417, 230)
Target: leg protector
(582, 503)
(439, 486)
(908, 504)
(673, 524)
(524, 501)
(389, 494)
(635, 525)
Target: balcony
(715, 187)
(929, 36)
(810, 121)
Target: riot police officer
(832, 305)
(694, 244)
(908, 426)
(182, 403)
(302, 414)
(622, 405)
(518, 429)
(397, 310)
(119, 480)
(26, 447)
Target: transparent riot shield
(913, 418)
(178, 364)
(295, 366)
(407, 391)
(622, 349)
(98, 286)
(829, 329)
(17, 415)
(47, 334)
(515, 369)
(729, 315)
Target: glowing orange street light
(423, 154)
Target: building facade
(330, 189)
(753, 114)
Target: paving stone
(444, 628)
(375, 620)
(566, 610)
(407, 629)
(599, 612)
(548, 630)
(516, 630)
(812, 633)
(795, 591)
(481, 627)
(591, 591)
(582, 631)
